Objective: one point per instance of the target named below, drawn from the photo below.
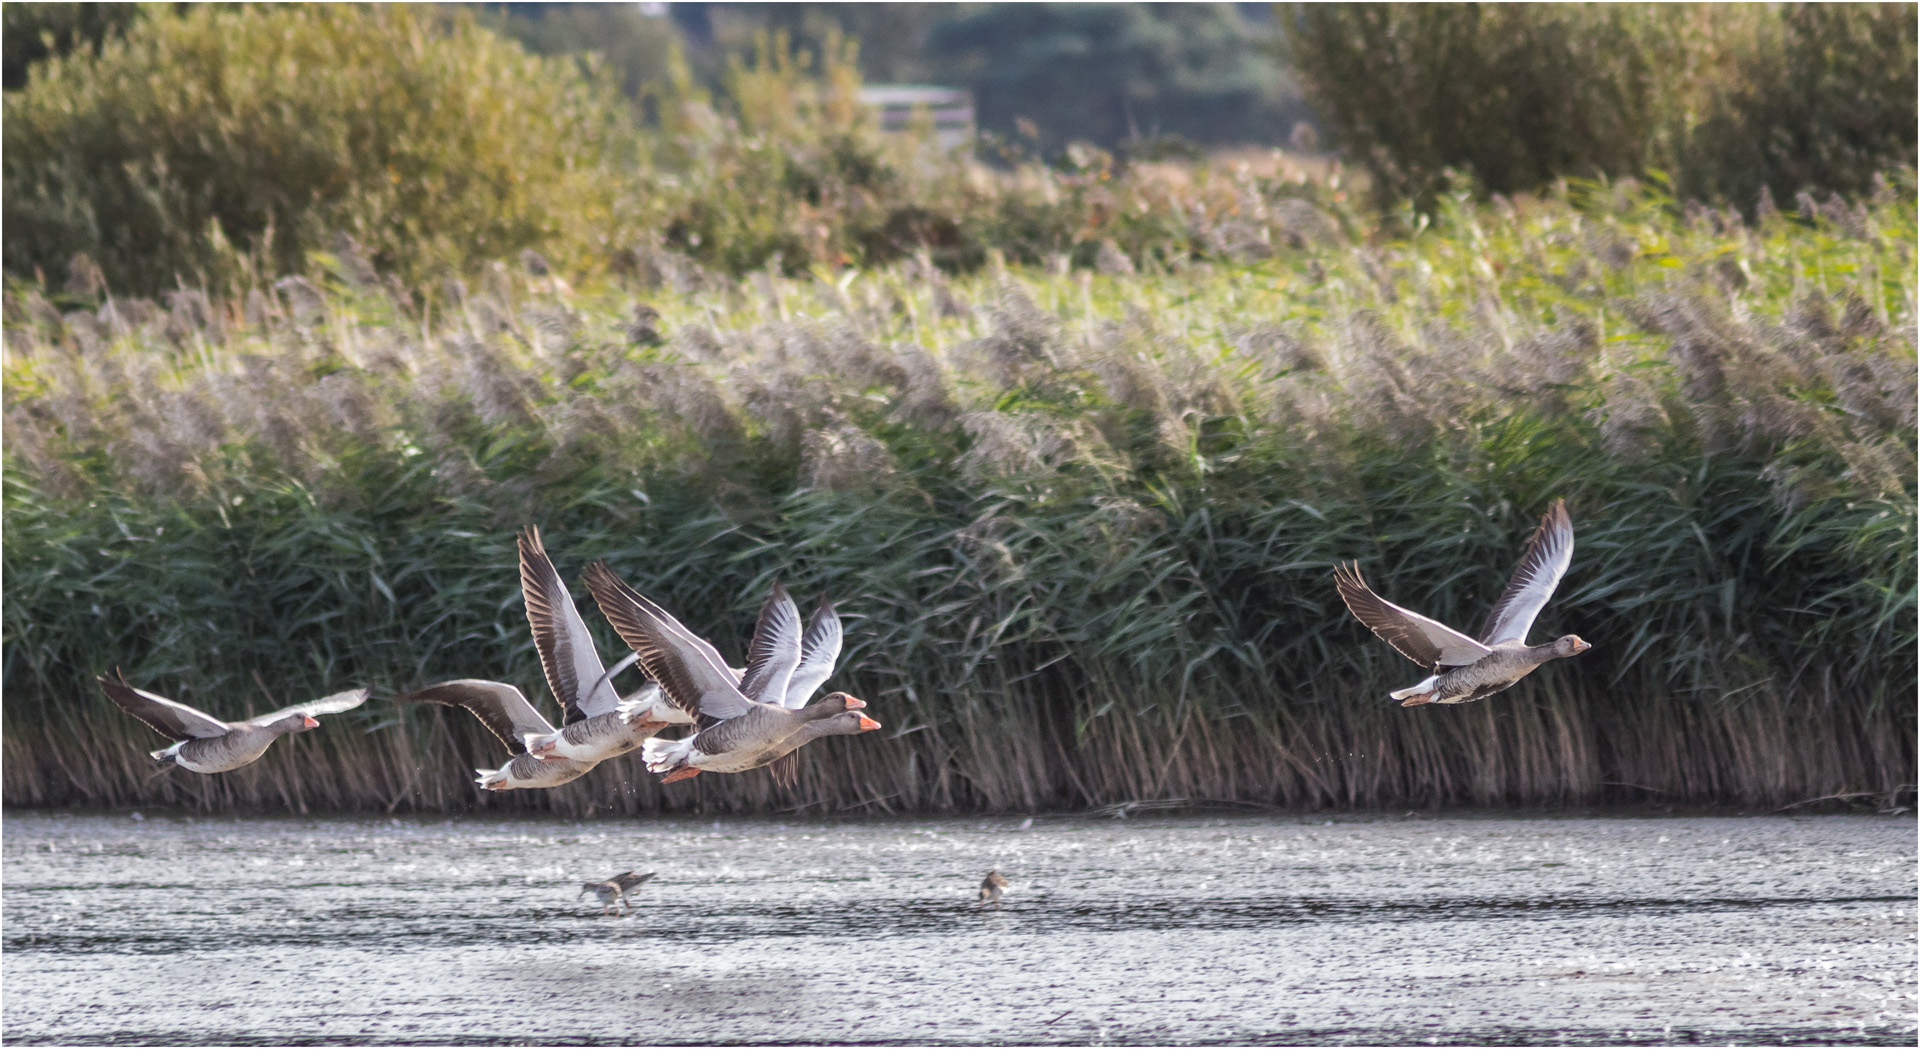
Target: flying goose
(1464, 669)
(614, 889)
(597, 723)
(783, 762)
(207, 744)
(819, 652)
(736, 732)
(504, 710)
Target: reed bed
(1081, 521)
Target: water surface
(1458, 930)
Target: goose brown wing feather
(1425, 641)
(502, 708)
(176, 721)
(775, 650)
(819, 652)
(688, 669)
(567, 654)
(1548, 554)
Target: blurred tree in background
(223, 143)
(1726, 98)
(232, 139)
(1112, 73)
(32, 32)
(633, 46)
(1826, 101)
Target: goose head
(295, 722)
(831, 705)
(1570, 645)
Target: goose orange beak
(867, 724)
(855, 703)
(309, 721)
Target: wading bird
(736, 732)
(614, 889)
(1461, 668)
(991, 888)
(207, 744)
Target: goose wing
(1425, 641)
(567, 654)
(688, 669)
(176, 721)
(775, 650)
(819, 652)
(333, 704)
(499, 706)
(1548, 554)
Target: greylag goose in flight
(1464, 669)
(819, 652)
(614, 890)
(783, 761)
(597, 724)
(736, 732)
(504, 710)
(204, 743)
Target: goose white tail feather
(489, 779)
(1411, 691)
(665, 755)
(167, 753)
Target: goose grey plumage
(1464, 669)
(614, 889)
(735, 732)
(596, 723)
(204, 743)
(781, 761)
(504, 710)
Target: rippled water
(1451, 930)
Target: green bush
(1826, 103)
(31, 32)
(198, 145)
(1726, 97)
(1514, 93)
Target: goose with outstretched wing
(597, 723)
(1462, 668)
(204, 743)
(819, 652)
(736, 732)
(506, 713)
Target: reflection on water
(1454, 930)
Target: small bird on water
(614, 889)
(1461, 668)
(991, 888)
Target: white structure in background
(950, 107)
